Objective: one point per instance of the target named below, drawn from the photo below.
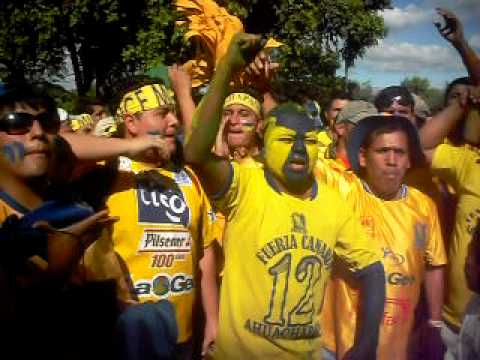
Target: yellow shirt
(161, 234)
(408, 233)
(460, 167)
(278, 256)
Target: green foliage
(422, 87)
(109, 40)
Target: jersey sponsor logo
(399, 279)
(165, 241)
(124, 164)
(182, 178)
(420, 235)
(368, 224)
(397, 311)
(165, 285)
(299, 223)
(392, 258)
(162, 207)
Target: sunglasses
(20, 123)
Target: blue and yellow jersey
(161, 234)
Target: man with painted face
(283, 230)
(239, 135)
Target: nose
(299, 147)
(391, 158)
(172, 119)
(234, 119)
(36, 130)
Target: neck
(304, 193)
(384, 195)
(341, 149)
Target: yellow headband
(245, 100)
(145, 98)
(78, 122)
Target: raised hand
(452, 30)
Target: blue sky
(413, 45)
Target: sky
(413, 45)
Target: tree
(108, 40)
(422, 87)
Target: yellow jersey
(161, 234)
(407, 232)
(460, 167)
(279, 250)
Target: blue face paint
(13, 152)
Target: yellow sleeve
(229, 200)
(435, 254)
(208, 229)
(352, 244)
(449, 163)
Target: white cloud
(475, 41)
(408, 57)
(398, 18)
(463, 8)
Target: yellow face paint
(284, 146)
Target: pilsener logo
(162, 207)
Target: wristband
(436, 323)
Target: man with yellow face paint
(283, 231)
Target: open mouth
(298, 164)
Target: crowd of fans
(238, 227)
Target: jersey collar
(274, 186)
(403, 190)
(14, 204)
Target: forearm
(434, 283)
(89, 147)
(372, 301)
(187, 109)
(434, 132)
(471, 60)
(206, 120)
(209, 287)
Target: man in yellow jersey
(401, 222)
(163, 235)
(283, 231)
(459, 166)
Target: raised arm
(453, 32)
(215, 172)
(182, 86)
(435, 131)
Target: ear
(130, 124)
(362, 157)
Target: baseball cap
(355, 111)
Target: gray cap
(355, 111)
(421, 107)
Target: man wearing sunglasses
(30, 119)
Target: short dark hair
(458, 81)
(85, 105)
(33, 95)
(385, 129)
(339, 95)
(386, 96)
